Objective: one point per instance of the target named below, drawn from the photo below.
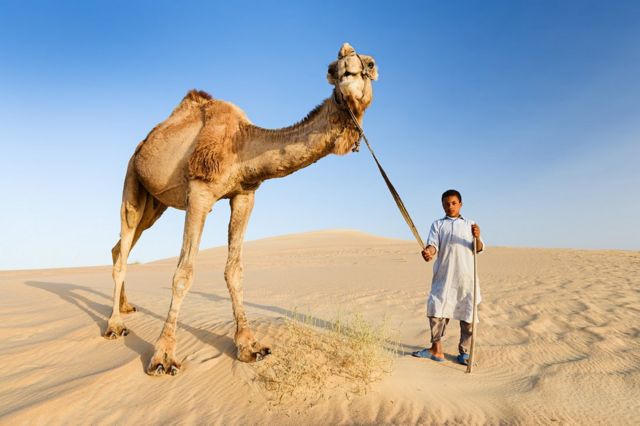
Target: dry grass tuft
(314, 357)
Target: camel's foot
(249, 350)
(115, 330)
(163, 363)
(127, 308)
(253, 352)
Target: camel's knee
(182, 280)
(117, 271)
(233, 273)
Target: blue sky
(529, 108)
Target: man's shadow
(85, 298)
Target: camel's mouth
(346, 74)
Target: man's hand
(428, 253)
(475, 230)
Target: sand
(558, 341)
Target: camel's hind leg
(152, 211)
(138, 212)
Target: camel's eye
(371, 65)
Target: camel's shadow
(301, 317)
(85, 298)
(294, 315)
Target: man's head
(451, 202)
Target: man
(451, 296)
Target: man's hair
(451, 193)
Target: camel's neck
(277, 153)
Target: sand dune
(558, 342)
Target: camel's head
(351, 75)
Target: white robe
(452, 286)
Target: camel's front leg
(249, 349)
(164, 359)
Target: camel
(208, 150)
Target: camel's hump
(199, 96)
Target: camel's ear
(346, 50)
(332, 73)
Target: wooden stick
(475, 307)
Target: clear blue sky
(530, 108)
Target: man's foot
(426, 353)
(463, 359)
(437, 350)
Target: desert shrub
(312, 358)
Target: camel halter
(394, 193)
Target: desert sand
(558, 340)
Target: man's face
(452, 206)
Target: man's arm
(475, 230)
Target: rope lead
(394, 193)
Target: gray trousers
(439, 325)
